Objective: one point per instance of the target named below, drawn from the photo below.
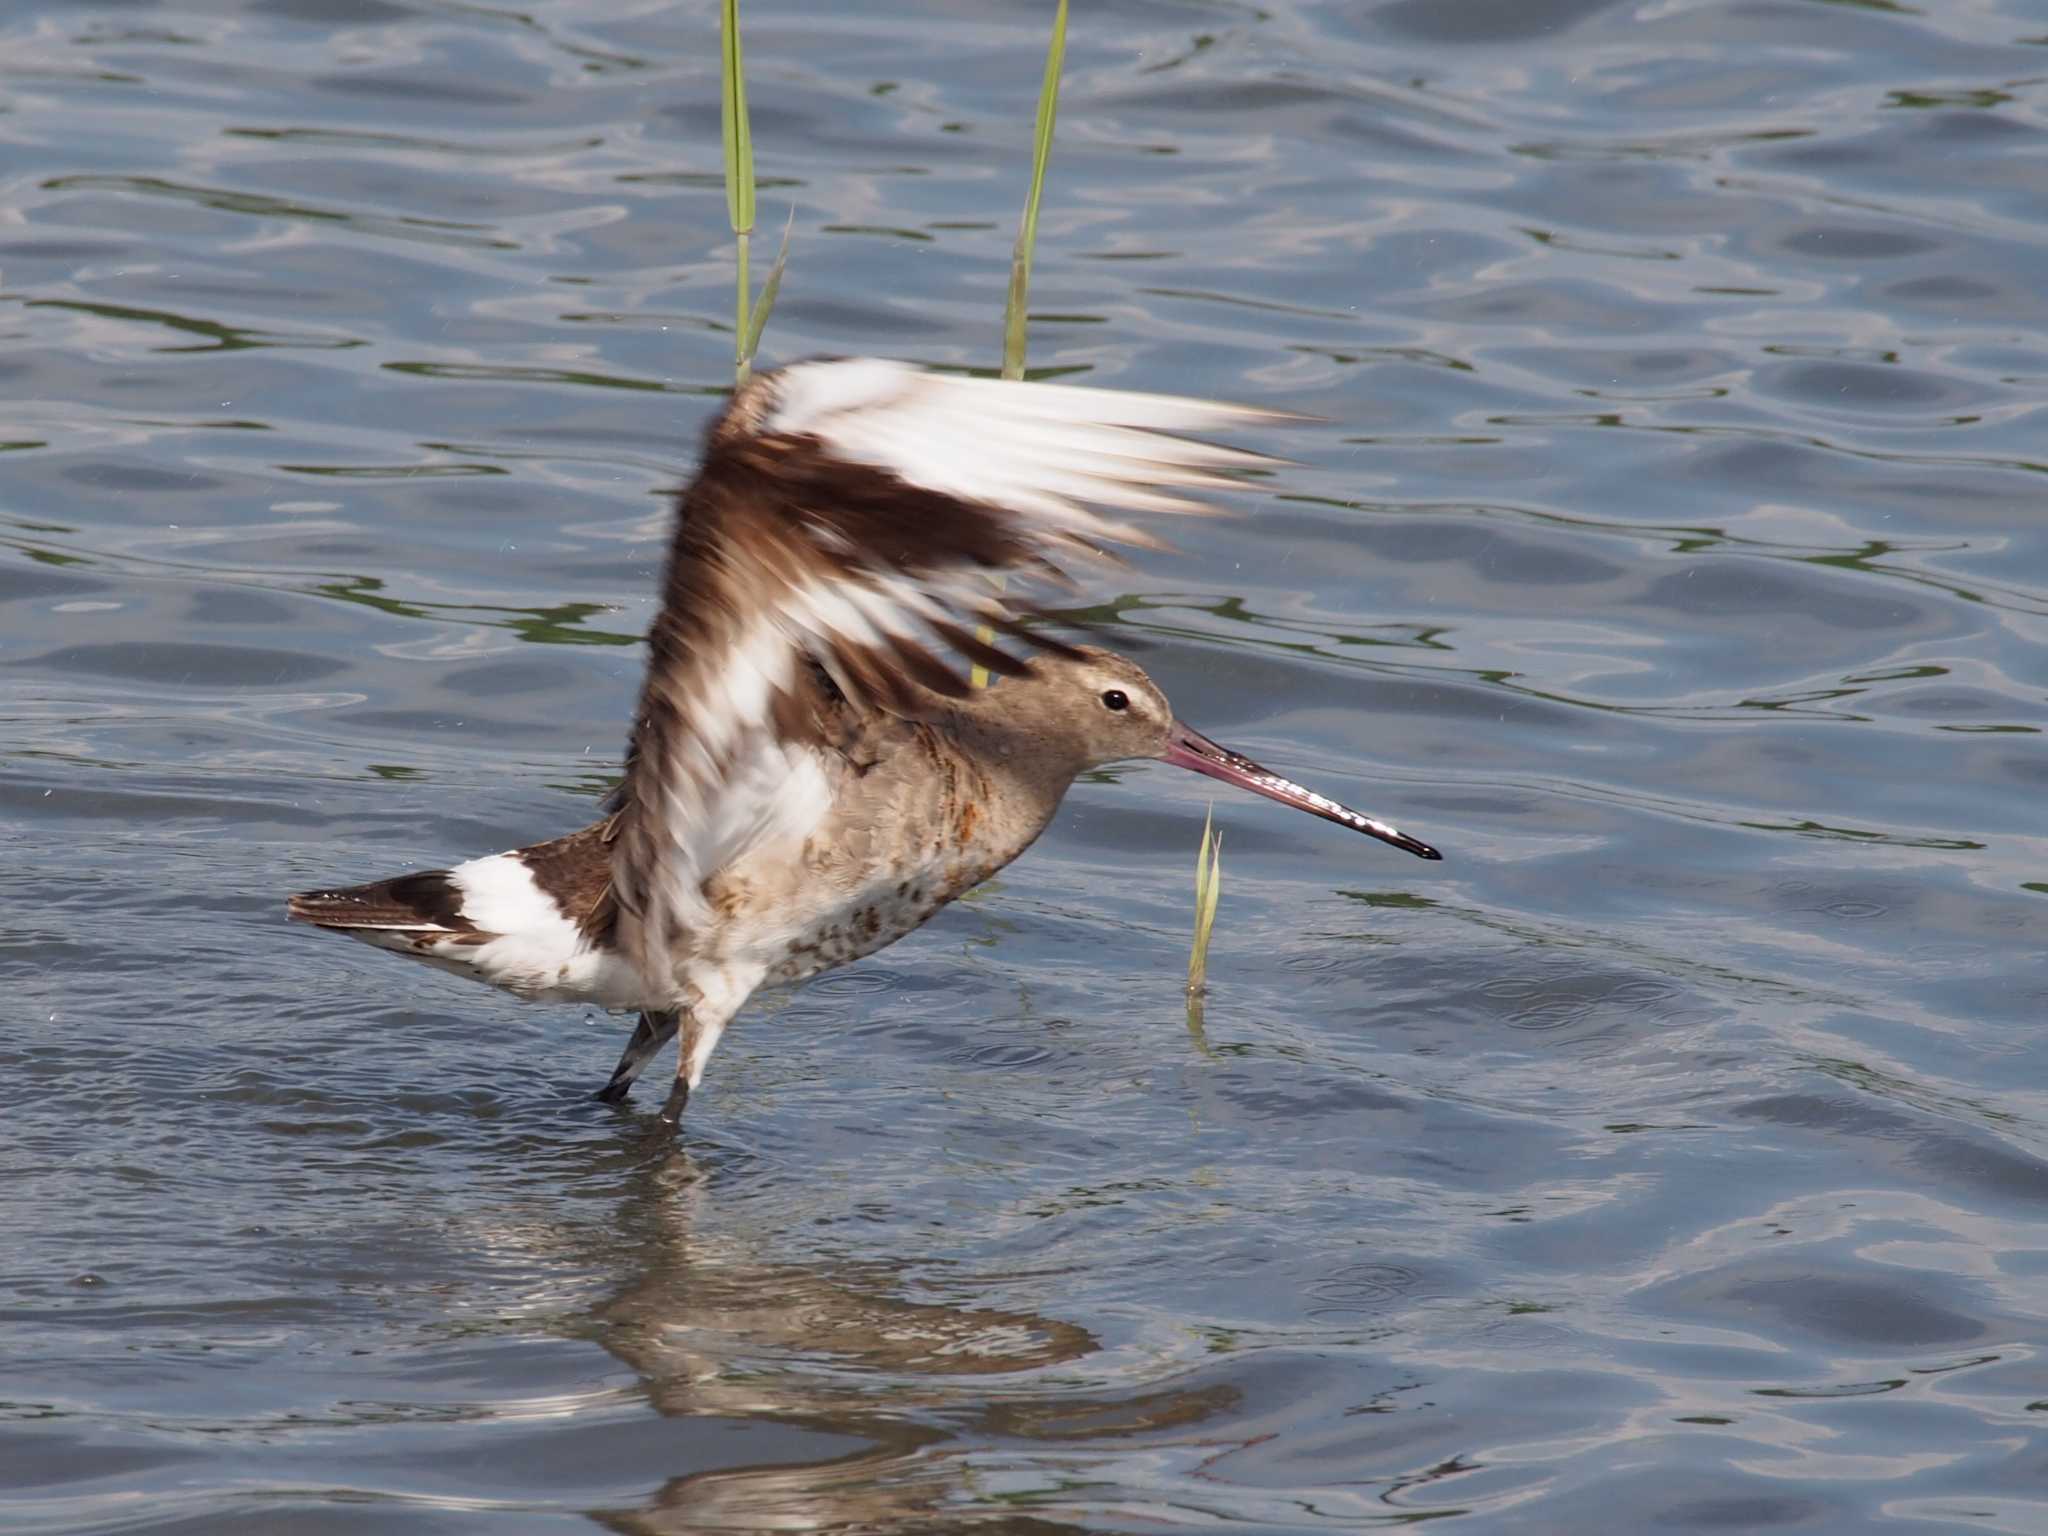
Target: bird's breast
(916, 830)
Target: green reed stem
(1015, 305)
(1027, 228)
(737, 133)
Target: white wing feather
(1031, 462)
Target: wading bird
(809, 777)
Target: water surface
(1670, 550)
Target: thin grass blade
(1027, 235)
(1027, 228)
(739, 143)
(751, 345)
(739, 175)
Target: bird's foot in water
(673, 1106)
(653, 1032)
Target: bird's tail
(423, 905)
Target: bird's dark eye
(1114, 699)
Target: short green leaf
(759, 321)
(1208, 892)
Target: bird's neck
(1007, 728)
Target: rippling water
(1671, 551)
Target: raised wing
(840, 535)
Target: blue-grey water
(1672, 548)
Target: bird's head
(1102, 708)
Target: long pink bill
(1189, 748)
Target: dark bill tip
(1189, 748)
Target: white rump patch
(538, 952)
(500, 895)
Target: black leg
(655, 1031)
(678, 1097)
